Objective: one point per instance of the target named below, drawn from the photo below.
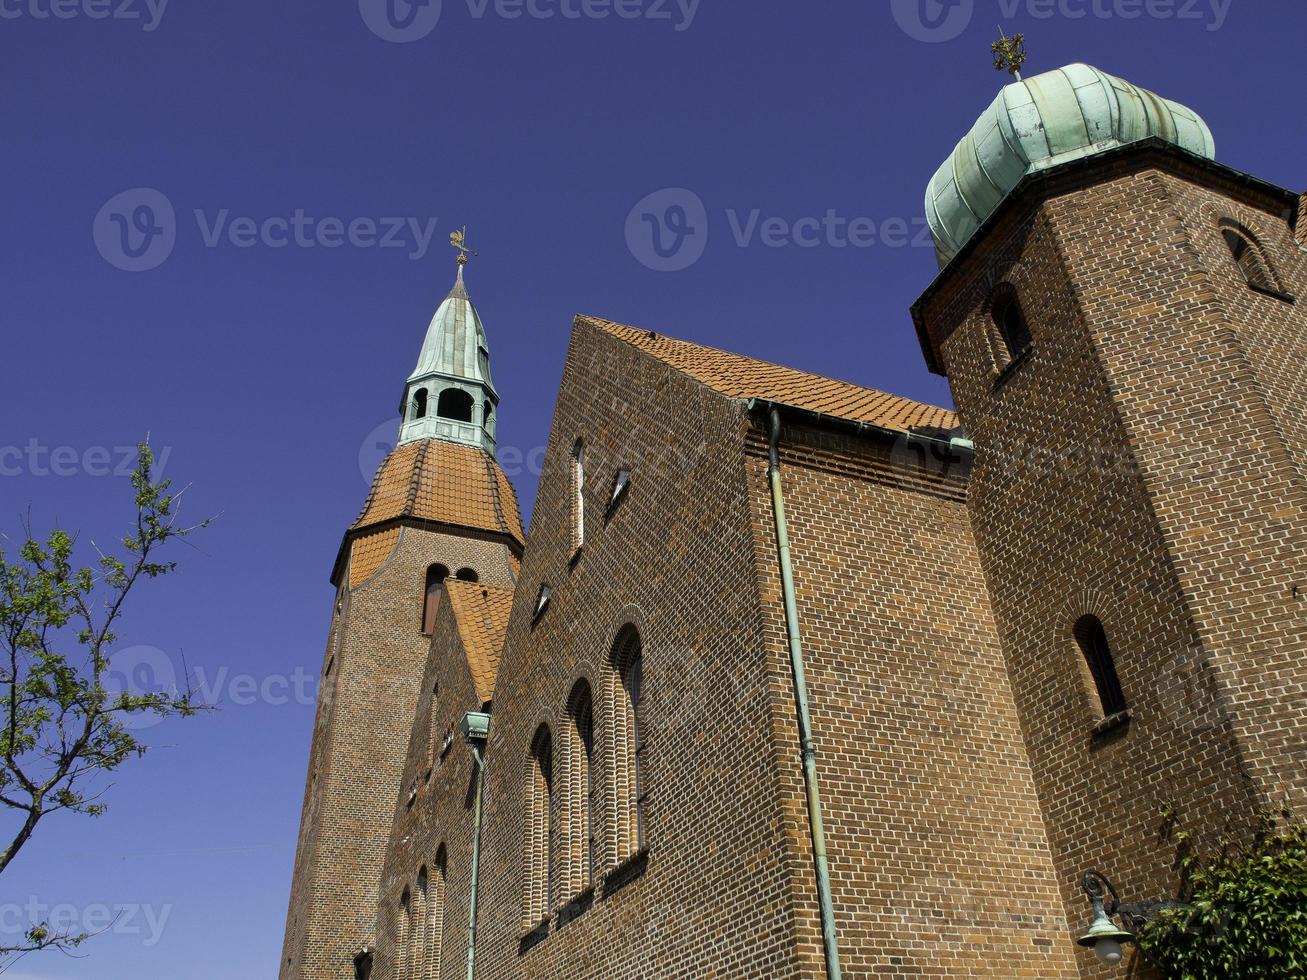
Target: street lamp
(1104, 936)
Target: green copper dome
(1041, 122)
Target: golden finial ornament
(458, 240)
(1009, 53)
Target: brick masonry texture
(1142, 462)
(365, 706)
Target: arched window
(467, 575)
(1247, 255)
(627, 786)
(1013, 333)
(581, 783)
(420, 403)
(402, 936)
(417, 938)
(431, 727)
(578, 496)
(435, 917)
(456, 404)
(436, 575)
(1104, 686)
(540, 781)
(488, 418)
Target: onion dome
(1042, 122)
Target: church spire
(450, 395)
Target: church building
(793, 678)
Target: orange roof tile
(441, 481)
(481, 614)
(737, 376)
(368, 552)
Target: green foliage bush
(1247, 912)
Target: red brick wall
(365, 709)
(938, 855)
(675, 558)
(1135, 466)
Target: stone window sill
(1111, 723)
(1012, 367)
(625, 871)
(1273, 293)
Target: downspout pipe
(808, 747)
(476, 729)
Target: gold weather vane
(458, 240)
(1009, 53)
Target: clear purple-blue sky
(264, 371)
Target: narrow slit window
(538, 864)
(580, 790)
(578, 497)
(1247, 255)
(1013, 332)
(628, 787)
(542, 603)
(1105, 685)
(436, 576)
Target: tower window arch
(538, 845)
(1010, 329)
(1103, 684)
(581, 783)
(455, 404)
(467, 575)
(436, 575)
(488, 417)
(1249, 257)
(420, 403)
(627, 787)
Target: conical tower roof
(450, 395)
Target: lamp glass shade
(1108, 951)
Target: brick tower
(1116, 317)
(439, 506)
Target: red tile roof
(441, 481)
(737, 376)
(481, 614)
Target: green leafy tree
(1247, 911)
(62, 726)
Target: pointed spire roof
(454, 339)
(450, 394)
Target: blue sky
(302, 165)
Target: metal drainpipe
(475, 728)
(809, 749)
